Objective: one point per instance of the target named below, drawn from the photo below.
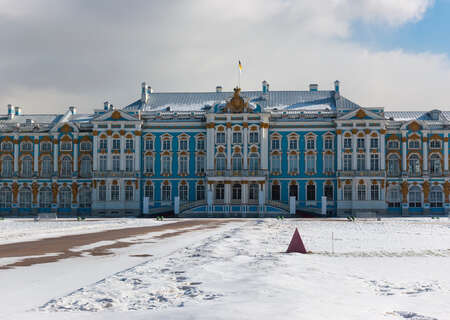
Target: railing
(118, 174)
(237, 173)
(362, 173)
(278, 204)
(191, 204)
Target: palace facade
(226, 153)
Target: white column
(137, 152)
(354, 152)
(109, 158)
(55, 156)
(367, 149)
(244, 196)
(227, 193)
(339, 150)
(229, 148)
(95, 152)
(122, 154)
(404, 151)
(383, 151)
(264, 146)
(446, 152)
(16, 154)
(36, 154)
(245, 133)
(339, 190)
(75, 155)
(425, 153)
(210, 147)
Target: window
(27, 166)
(435, 144)
(374, 143)
(129, 163)
(361, 192)
(200, 144)
(102, 193)
(148, 164)
(183, 145)
(435, 165)
(25, 198)
(166, 145)
(85, 146)
(276, 163)
(236, 162)
(237, 137)
(328, 192)
(148, 192)
(103, 144)
(86, 167)
(115, 192)
(293, 191)
(45, 197)
(360, 143)
(220, 162)
(26, 146)
(7, 166)
(293, 144)
(66, 146)
(276, 194)
(293, 163)
(65, 197)
(347, 162)
(348, 192)
(414, 165)
(236, 192)
(253, 192)
(66, 167)
(375, 192)
(393, 197)
(220, 137)
(200, 192)
(275, 144)
(148, 144)
(116, 163)
(166, 192)
(253, 162)
(129, 193)
(361, 162)
(310, 163)
(413, 144)
(183, 192)
(347, 143)
(116, 144)
(328, 144)
(166, 165)
(328, 163)
(393, 144)
(436, 197)
(220, 191)
(129, 144)
(46, 147)
(5, 197)
(374, 162)
(200, 164)
(254, 137)
(311, 192)
(393, 165)
(7, 146)
(85, 197)
(310, 144)
(415, 197)
(183, 166)
(102, 162)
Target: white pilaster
(210, 148)
(367, 150)
(244, 195)
(264, 138)
(109, 158)
(404, 151)
(382, 151)
(339, 151)
(16, 154)
(36, 154)
(425, 152)
(446, 152)
(229, 148)
(354, 152)
(122, 154)
(95, 152)
(227, 193)
(137, 153)
(55, 156)
(245, 164)
(75, 155)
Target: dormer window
(435, 144)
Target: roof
(37, 118)
(415, 115)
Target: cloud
(61, 53)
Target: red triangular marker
(296, 244)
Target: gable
(361, 114)
(116, 115)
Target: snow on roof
(415, 115)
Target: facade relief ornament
(236, 103)
(405, 191)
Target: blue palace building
(238, 153)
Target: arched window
(276, 192)
(310, 163)
(328, 192)
(166, 193)
(183, 165)
(86, 167)
(65, 197)
(220, 163)
(27, 166)
(361, 192)
(7, 166)
(148, 163)
(415, 197)
(183, 192)
(276, 163)
(115, 192)
(166, 165)
(102, 192)
(236, 192)
(348, 192)
(293, 191)
(414, 165)
(435, 164)
(236, 162)
(149, 192)
(293, 163)
(253, 162)
(394, 197)
(220, 191)
(253, 192)
(200, 163)
(129, 193)
(374, 192)
(311, 192)
(46, 166)
(436, 197)
(393, 165)
(200, 192)
(45, 197)
(66, 167)
(25, 197)
(5, 197)
(85, 197)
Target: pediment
(361, 114)
(116, 115)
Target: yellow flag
(240, 66)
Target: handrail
(237, 173)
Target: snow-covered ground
(389, 269)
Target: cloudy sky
(56, 53)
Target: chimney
(336, 86)
(144, 93)
(17, 111)
(73, 109)
(313, 87)
(265, 87)
(149, 90)
(10, 111)
(219, 89)
(106, 106)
